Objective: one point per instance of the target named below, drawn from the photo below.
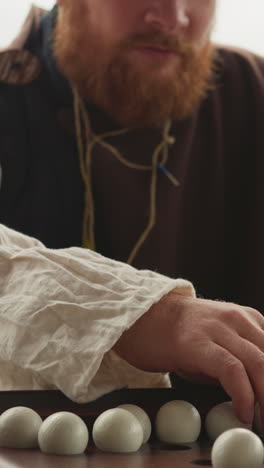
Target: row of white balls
(125, 428)
(122, 429)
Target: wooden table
(151, 455)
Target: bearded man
(124, 129)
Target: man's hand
(219, 340)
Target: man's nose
(167, 15)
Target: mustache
(173, 44)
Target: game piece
(117, 430)
(178, 422)
(237, 448)
(143, 418)
(63, 433)
(19, 428)
(221, 418)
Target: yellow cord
(86, 144)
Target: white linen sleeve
(62, 311)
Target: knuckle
(256, 315)
(233, 315)
(242, 317)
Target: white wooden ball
(143, 418)
(237, 448)
(221, 418)
(178, 422)
(117, 430)
(19, 428)
(63, 433)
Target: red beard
(133, 97)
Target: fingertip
(245, 413)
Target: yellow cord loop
(86, 143)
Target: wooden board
(149, 456)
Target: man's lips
(157, 51)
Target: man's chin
(146, 93)
(148, 102)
